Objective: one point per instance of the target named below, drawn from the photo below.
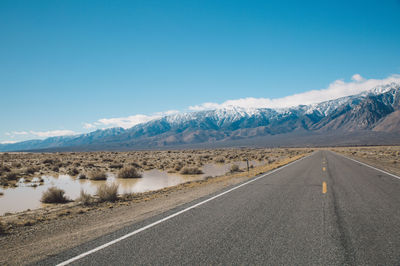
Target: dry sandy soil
(383, 157)
(33, 235)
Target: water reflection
(27, 194)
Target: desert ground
(382, 157)
(14, 166)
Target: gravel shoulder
(38, 234)
(386, 158)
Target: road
(286, 217)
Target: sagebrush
(54, 195)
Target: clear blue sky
(63, 63)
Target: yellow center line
(324, 188)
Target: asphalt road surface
(286, 217)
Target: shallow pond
(27, 195)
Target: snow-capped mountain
(371, 113)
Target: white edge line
(377, 169)
(173, 215)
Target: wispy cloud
(40, 134)
(9, 141)
(53, 133)
(357, 78)
(17, 133)
(336, 89)
(88, 126)
(126, 122)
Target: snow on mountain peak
(234, 113)
(328, 106)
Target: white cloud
(20, 133)
(126, 122)
(17, 136)
(169, 112)
(88, 126)
(357, 77)
(16, 133)
(52, 133)
(337, 89)
(9, 141)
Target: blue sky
(73, 66)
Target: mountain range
(369, 118)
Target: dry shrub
(3, 229)
(191, 171)
(129, 172)
(48, 161)
(3, 182)
(16, 164)
(85, 198)
(219, 159)
(116, 166)
(31, 170)
(108, 192)
(178, 167)
(73, 172)
(98, 175)
(135, 165)
(208, 177)
(235, 168)
(11, 176)
(4, 169)
(82, 176)
(54, 195)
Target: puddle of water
(221, 169)
(27, 195)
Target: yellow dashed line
(324, 188)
